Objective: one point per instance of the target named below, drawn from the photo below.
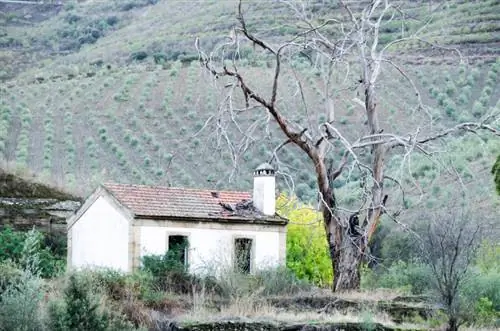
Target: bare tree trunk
(345, 245)
(347, 265)
(452, 324)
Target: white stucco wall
(211, 250)
(100, 237)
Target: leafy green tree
(307, 249)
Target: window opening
(243, 255)
(178, 249)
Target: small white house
(118, 224)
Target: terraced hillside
(68, 38)
(101, 91)
(143, 126)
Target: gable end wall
(99, 235)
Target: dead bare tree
(449, 242)
(337, 46)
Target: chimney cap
(265, 169)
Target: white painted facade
(105, 234)
(100, 237)
(211, 248)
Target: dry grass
(362, 296)
(248, 310)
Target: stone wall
(26, 203)
(48, 215)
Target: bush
(264, 282)
(276, 281)
(9, 274)
(11, 244)
(485, 313)
(160, 58)
(111, 20)
(19, 303)
(24, 248)
(413, 277)
(138, 56)
(484, 285)
(81, 308)
(169, 273)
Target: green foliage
(495, 170)
(481, 294)
(168, 270)
(31, 252)
(9, 274)
(79, 31)
(485, 313)
(81, 308)
(307, 250)
(278, 281)
(160, 265)
(131, 4)
(411, 277)
(139, 56)
(19, 303)
(11, 244)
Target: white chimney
(264, 186)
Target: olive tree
(349, 57)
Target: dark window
(243, 255)
(178, 248)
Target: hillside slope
(91, 113)
(74, 35)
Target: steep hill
(108, 91)
(71, 36)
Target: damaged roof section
(159, 202)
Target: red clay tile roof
(158, 201)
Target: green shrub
(485, 313)
(82, 311)
(413, 277)
(278, 280)
(81, 308)
(24, 248)
(11, 244)
(138, 56)
(9, 274)
(19, 304)
(484, 285)
(160, 58)
(169, 272)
